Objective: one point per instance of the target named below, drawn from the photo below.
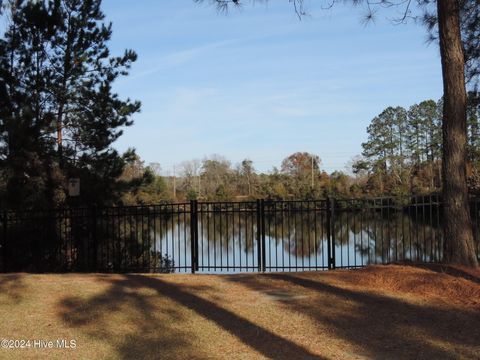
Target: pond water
(230, 242)
(230, 237)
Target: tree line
(216, 179)
(403, 153)
(402, 156)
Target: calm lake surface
(230, 242)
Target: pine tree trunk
(459, 245)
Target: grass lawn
(381, 312)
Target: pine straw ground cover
(381, 312)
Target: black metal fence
(227, 236)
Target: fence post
(332, 225)
(259, 234)
(94, 238)
(194, 235)
(197, 260)
(330, 205)
(262, 204)
(329, 233)
(4, 240)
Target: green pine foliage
(404, 148)
(59, 115)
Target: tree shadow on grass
(158, 333)
(127, 321)
(382, 327)
(12, 288)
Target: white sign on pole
(74, 187)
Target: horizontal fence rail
(253, 236)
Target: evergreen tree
(402, 145)
(59, 114)
(386, 148)
(375, 149)
(424, 125)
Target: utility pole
(174, 184)
(313, 179)
(198, 185)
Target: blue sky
(260, 84)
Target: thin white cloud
(181, 57)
